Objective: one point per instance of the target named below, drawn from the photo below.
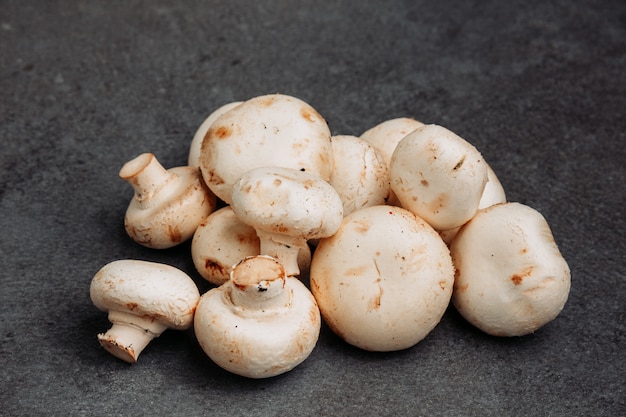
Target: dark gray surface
(539, 87)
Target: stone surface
(538, 87)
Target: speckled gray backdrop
(538, 87)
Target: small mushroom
(511, 278)
(384, 280)
(260, 323)
(270, 130)
(360, 175)
(196, 143)
(143, 299)
(168, 205)
(438, 175)
(222, 240)
(385, 137)
(286, 207)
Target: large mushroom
(270, 130)
(511, 278)
(143, 299)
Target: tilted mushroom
(384, 280)
(511, 278)
(168, 205)
(196, 143)
(360, 175)
(260, 323)
(143, 299)
(286, 207)
(271, 130)
(222, 240)
(385, 137)
(438, 175)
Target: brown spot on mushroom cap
(309, 114)
(174, 234)
(518, 278)
(214, 267)
(222, 132)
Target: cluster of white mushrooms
(389, 227)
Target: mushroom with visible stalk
(360, 175)
(260, 323)
(438, 175)
(143, 299)
(511, 278)
(222, 240)
(492, 194)
(270, 130)
(385, 137)
(384, 280)
(286, 207)
(196, 143)
(168, 204)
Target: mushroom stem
(129, 335)
(145, 174)
(284, 248)
(259, 284)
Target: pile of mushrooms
(374, 234)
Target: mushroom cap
(288, 202)
(438, 175)
(258, 342)
(152, 290)
(511, 278)
(270, 130)
(384, 280)
(360, 175)
(196, 143)
(385, 136)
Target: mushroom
(168, 205)
(492, 194)
(511, 278)
(271, 130)
(438, 175)
(260, 323)
(360, 175)
(143, 299)
(286, 207)
(385, 137)
(196, 143)
(383, 280)
(222, 240)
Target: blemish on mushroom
(222, 132)
(459, 164)
(518, 278)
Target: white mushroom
(360, 175)
(384, 280)
(143, 299)
(222, 240)
(286, 207)
(260, 323)
(511, 278)
(271, 130)
(196, 143)
(168, 205)
(439, 176)
(385, 137)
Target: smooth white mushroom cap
(384, 280)
(271, 130)
(196, 143)
(438, 175)
(511, 278)
(360, 175)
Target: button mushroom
(271, 130)
(384, 280)
(168, 205)
(360, 175)
(260, 323)
(222, 240)
(511, 278)
(286, 207)
(438, 175)
(143, 299)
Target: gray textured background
(538, 87)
